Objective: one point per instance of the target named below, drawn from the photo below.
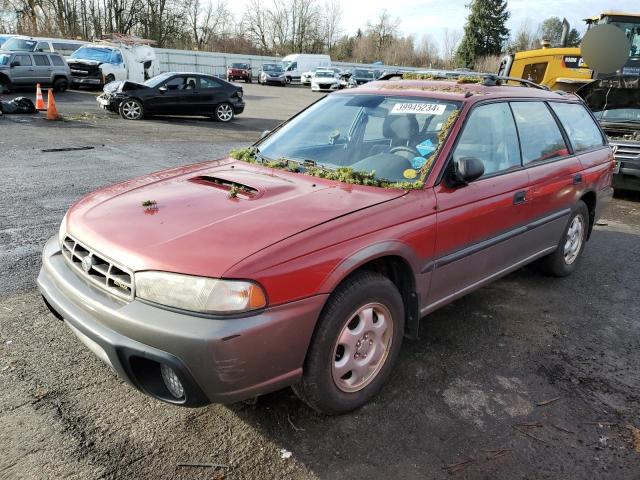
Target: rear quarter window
(581, 128)
(540, 136)
(57, 61)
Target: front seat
(400, 129)
(191, 84)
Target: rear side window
(57, 61)
(540, 137)
(583, 132)
(207, 83)
(490, 136)
(41, 60)
(534, 72)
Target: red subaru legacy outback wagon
(305, 260)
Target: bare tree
(524, 38)
(332, 20)
(450, 41)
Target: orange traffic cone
(39, 101)
(52, 110)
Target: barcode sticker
(424, 108)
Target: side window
(116, 58)
(23, 60)
(208, 83)
(293, 66)
(175, 83)
(57, 61)
(42, 47)
(41, 60)
(490, 136)
(583, 132)
(540, 137)
(534, 72)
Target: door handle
(577, 178)
(520, 197)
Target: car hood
(122, 86)
(82, 61)
(611, 93)
(185, 220)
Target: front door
(24, 72)
(480, 226)
(169, 98)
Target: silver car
(25, 69)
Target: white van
(97, 64)
(297, 63)
(62, 46)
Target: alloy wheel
(362, 347)
(224, 112)
(573, 242)
(131, 110)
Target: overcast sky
(421, 17)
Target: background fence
(214, 63)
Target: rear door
(481, 225)
(42, 68)
(554, 170)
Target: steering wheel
(410, 150)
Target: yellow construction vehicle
(562, 68)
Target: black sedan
(174, 94)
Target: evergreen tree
(551, 31)
(485, 31)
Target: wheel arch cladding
(396, 261)
(590, 199)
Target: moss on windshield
(349, 175)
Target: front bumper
(219, 360)
(324, 87)
(93, 81)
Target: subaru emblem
(87, 263)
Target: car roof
(446, 89)
(48, 39)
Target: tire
(60, 85)
(109, 78)
(288, 80)
(248, 80)
(344, 319)
(565, 259)
(131, 109)
(5, 85)
(224, 112)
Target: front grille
(100, 271)
(627, 152)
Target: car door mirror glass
(465, 170)
(162, 89)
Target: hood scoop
(242, 190)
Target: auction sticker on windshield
(424, 108)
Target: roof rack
(126, 39)
(489, 79)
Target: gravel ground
(530, 377)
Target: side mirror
(162, 89)
(265, 133)
(15, 63)
(464, 171)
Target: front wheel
(565, 259)
(131, 109)
(224, 112)
(356, 342)
(5, 85)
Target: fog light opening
(172, 382)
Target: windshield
(325, 74)
(272, 67)
(157, 80)
(626, 114)
(239, 65)
(98, 54)
(3, 39)
(363, 73)
(4, 59)
(394, 136)
(632, 31)
(20, 45)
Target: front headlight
(62, 231)
(199, 294)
